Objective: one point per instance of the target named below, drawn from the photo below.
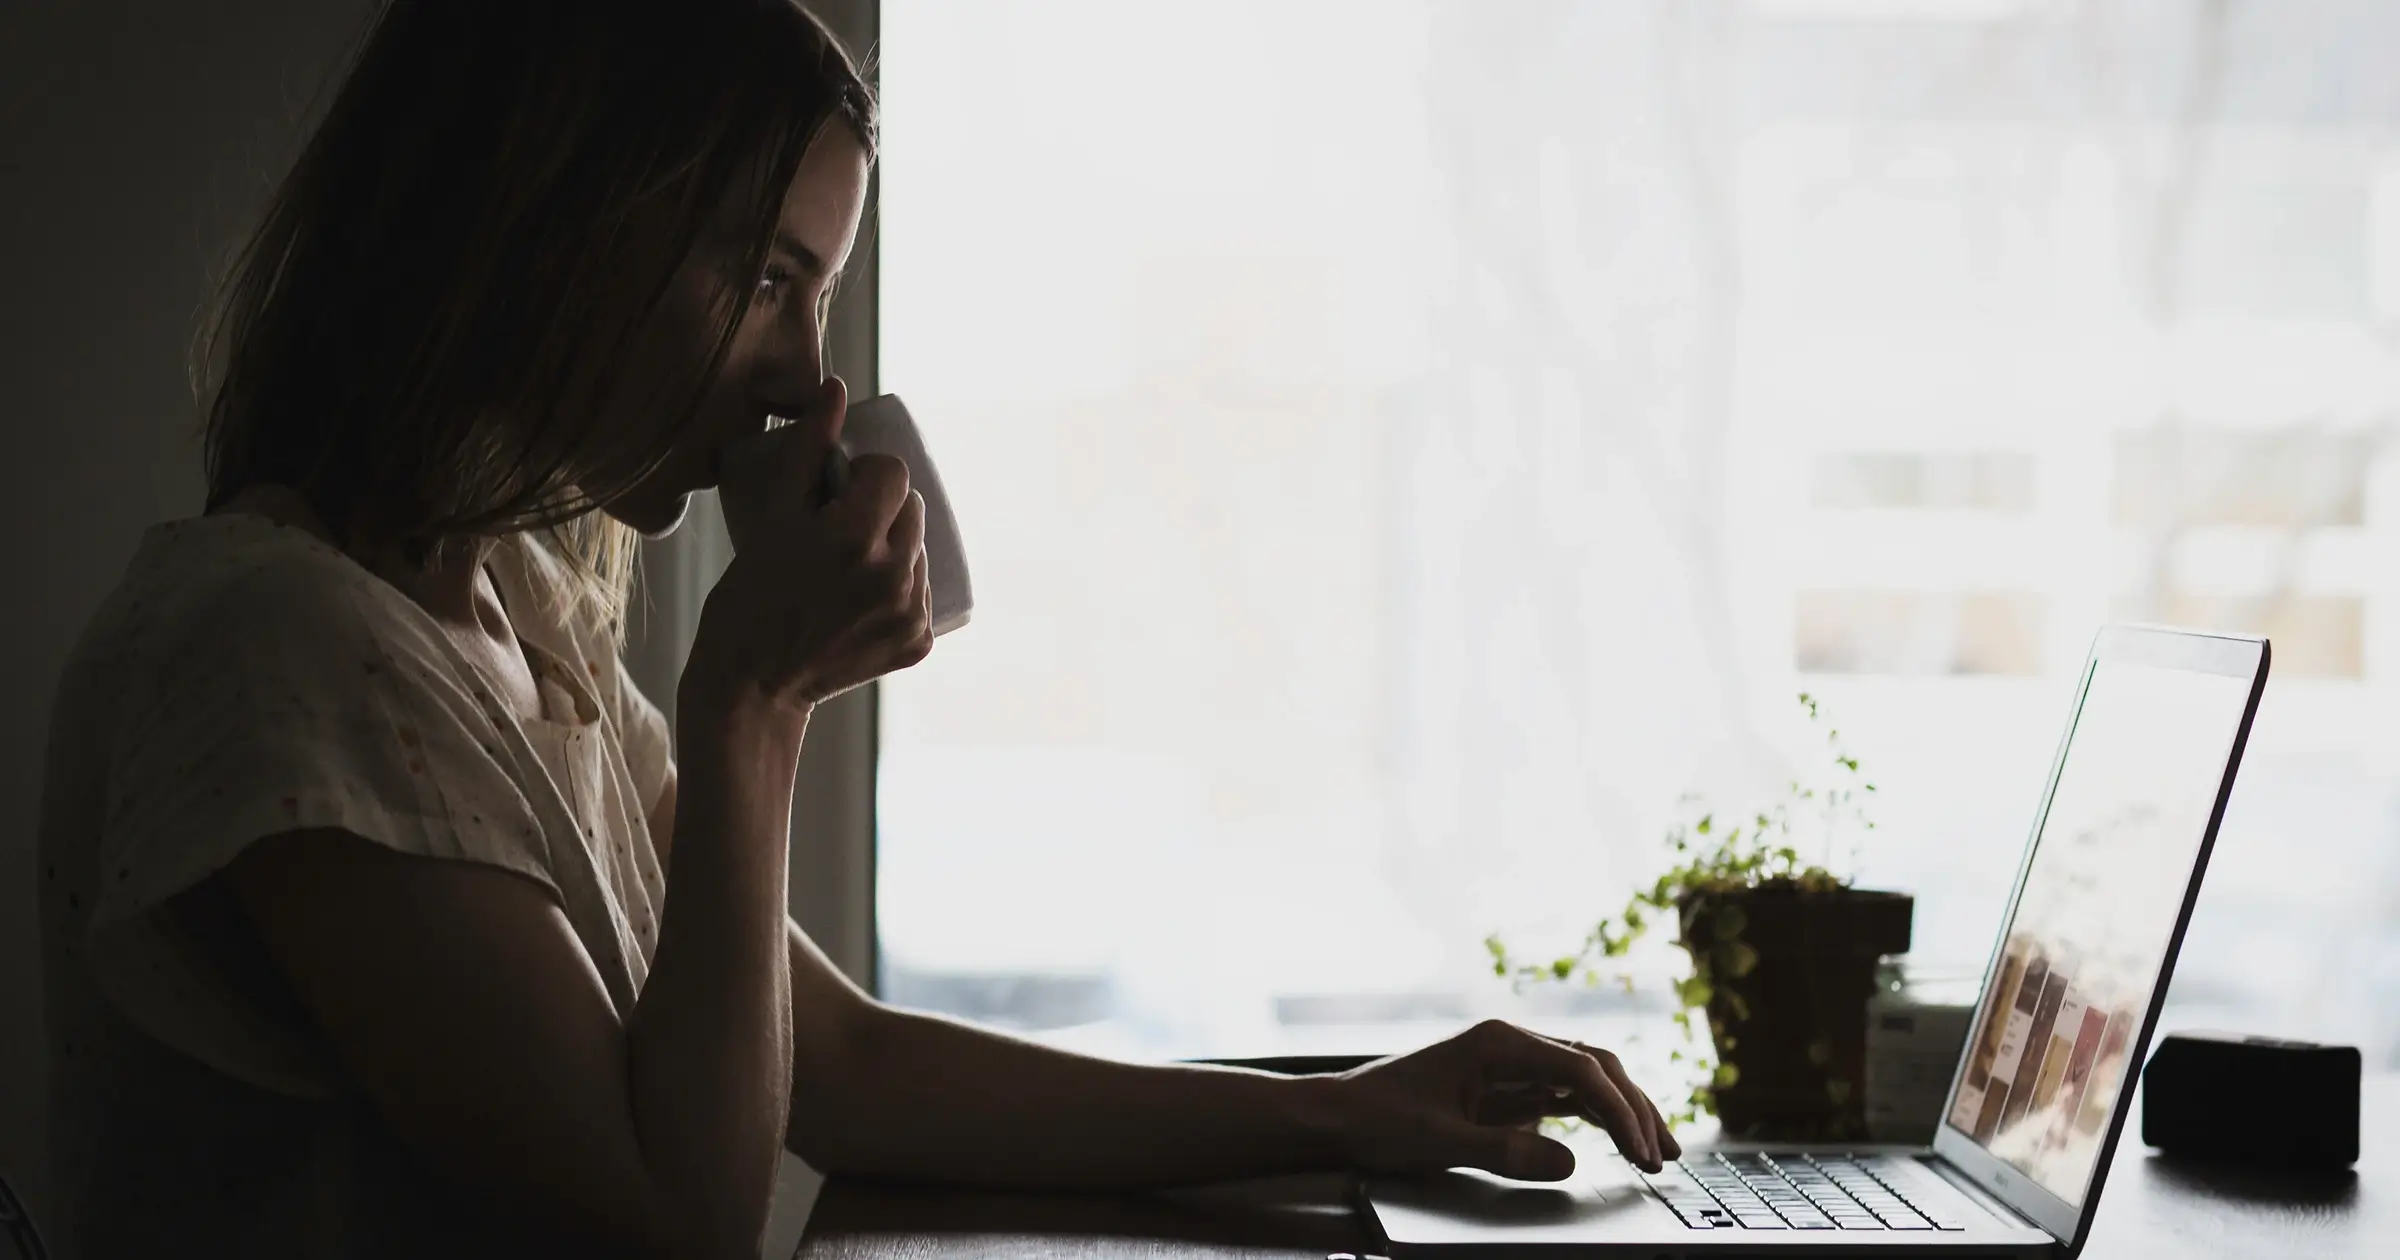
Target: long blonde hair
(441, 299)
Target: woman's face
(775, 366)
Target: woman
(377, 916)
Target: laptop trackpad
(1465, 1206)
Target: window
(1919, 632)
(1988, 481)
(1405, 446)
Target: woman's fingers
(1510, 1052)
(1668, 1147)
(1661, 1140)
(1653, 1129)
(914, 641)
(872, 503)
(906, 537)
(830, 588)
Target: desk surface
(2152, 1208)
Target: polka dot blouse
(244, 680)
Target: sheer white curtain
(1407, 444)
(1339, 397)
(1566, 627)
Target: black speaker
(2227, 1097)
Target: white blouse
(246, 679)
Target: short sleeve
(292, 698)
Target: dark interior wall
(137, 138)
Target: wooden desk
(2152, 1209)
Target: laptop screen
(2052, 1043)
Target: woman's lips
(716, 457)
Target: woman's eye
(774, 283)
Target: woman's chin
(652, 518)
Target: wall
(138, 137)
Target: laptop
(2044, 1080)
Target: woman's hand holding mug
(823, 593)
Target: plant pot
(1790, 972)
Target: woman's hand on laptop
(1474, 1102)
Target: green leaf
(1702, 826)
(1727, 1076)
(1562, 968)
(1739, 958)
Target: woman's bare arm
(889, 1093)
(461, 1000)
(884, 1092)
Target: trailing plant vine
(1716, 852)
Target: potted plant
(1782, 955)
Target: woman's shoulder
(233, 591)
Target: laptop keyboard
(1789, 1191)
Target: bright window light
(1405, 445)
